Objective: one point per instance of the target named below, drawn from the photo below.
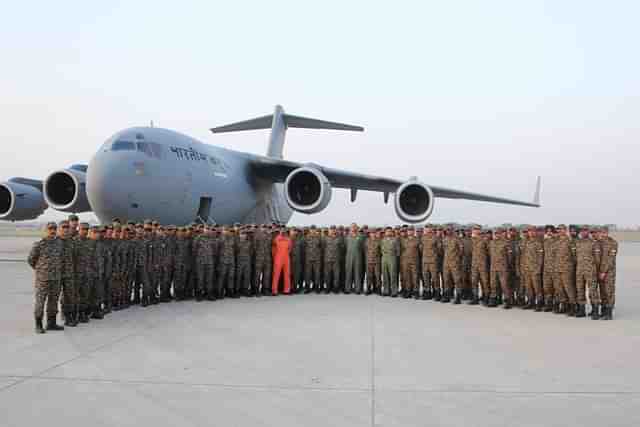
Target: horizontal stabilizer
(290, 121)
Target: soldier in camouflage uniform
(182, 261)
(467, 254)
(313, 260)
(355, 251)
(565, 258)
(432, 251)
(82, 283)
(513, 237)
(479, 266)
(96, 271)
(227, 263)
(453, 249)
(245, 253)
(501, 255)
(548, 274)
(389, 251)
(588, 256)
(297, 261)
(67, 282)
(144, 257)
(374, 278)
(410, 257)
(119, 261)
(531, 273)
(332, 265)
(607, 273)
(107, 242)
(204, 246)
(262, 261)
(44, 258)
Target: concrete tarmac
(319, 360)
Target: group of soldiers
(94, 270)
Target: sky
(480, 96)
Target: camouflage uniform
(44, 258)
(143, 259)
(95, 274)
(588, 256)
(262, 262)
(205, 248)
(531, 272)
(67, 282)
(227, 264)
(548, 274)
(608, 266)
(332, 251)
(373, 265)
(479, 268)
(501, 255)
(297, 264)
(431, 254)
(467, 255)
(82, 283)
(389, 250)
(182, 263)
(410, 256)
(313, 262)
(565, 252)
(355, 249)
(453, 249)
(243, 265)
(108, 274)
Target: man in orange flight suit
(281, 250)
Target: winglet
(536, 195)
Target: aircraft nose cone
(107, 178)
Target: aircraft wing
(277, 170)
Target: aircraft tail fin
(279, 121)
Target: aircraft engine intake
(65, 190)
(414, 201)
(307, 190)
(19, 202)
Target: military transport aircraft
(148, 172)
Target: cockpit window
(151, 149)
(123, 146)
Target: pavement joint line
(267, 387)
(261, 387)
(81, 355)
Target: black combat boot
(539, 304)
(507, 304)
(492, 303)
(571, 310)
(528, 305)
(485, 300)
(68, 319)
(39, 328)
(458, 297)
(580, 311)
(199, 296)
(436, 295)
(474, 299)
(446, 296)
(82, 317)
(144, 302)
(52, 325)
(595, 312)
(406, 294)
(607, 312)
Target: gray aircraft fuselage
(153, 173)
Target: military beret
(333, 227)
(313, 227)
(562, 227)
(52, 225)
(499, 230)
(73, 217)
(477, 227)
(155, 223)
(116, 227)
(147, 222)
(63, 222)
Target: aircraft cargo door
(204, 210)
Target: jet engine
(65, 190)
(307, 190)
(414, 201)
(20, 202)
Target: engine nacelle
(414, 201)
(66, 190)
(19, 202)
(307, 190)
